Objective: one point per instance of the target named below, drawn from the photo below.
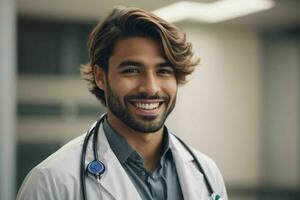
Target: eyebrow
(128, 63)
(165, 64)
(139, 64)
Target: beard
(142, 124)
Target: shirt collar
(165, 143)
(117, 143)
(123, 150)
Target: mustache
(145, 96)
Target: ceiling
(286, 13)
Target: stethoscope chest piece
(96, 168)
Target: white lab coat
(58, 177)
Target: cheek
(170, 87)
(121, 87)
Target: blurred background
(241, 106)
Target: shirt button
(153, 177)
(142, 173)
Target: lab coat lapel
(114, 180)
(190, 178)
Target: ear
(99, 75)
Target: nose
(150, 84)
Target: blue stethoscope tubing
(97, 168)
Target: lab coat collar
(190, 178)
(114, 180)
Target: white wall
(219, 110)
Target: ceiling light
(212, 12)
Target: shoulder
(55, 174)
(64, 159)
(210, 167)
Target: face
(140, 86)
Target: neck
(148, 145)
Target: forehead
(137, 48)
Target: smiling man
(140, 86)
(137, 61)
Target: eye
(165, 71)
(130, 71)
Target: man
(137, 61)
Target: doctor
(137, 61)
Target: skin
(138, 73)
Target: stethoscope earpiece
(95, 168)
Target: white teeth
(147, 106)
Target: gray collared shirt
(162, 183)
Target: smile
(147, 105)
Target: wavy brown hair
(135, 22)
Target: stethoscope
(96, 168)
